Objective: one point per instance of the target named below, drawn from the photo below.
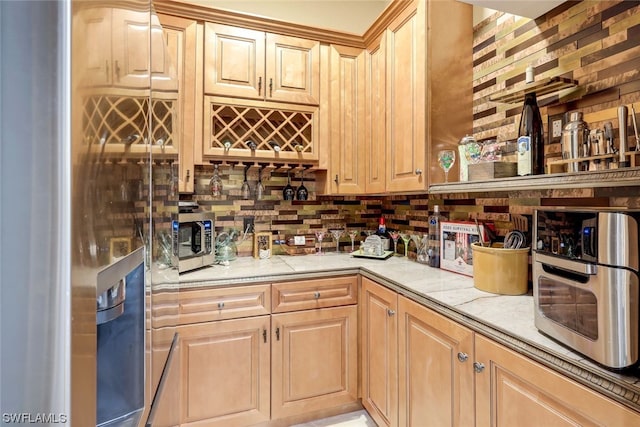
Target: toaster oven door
(590, 308)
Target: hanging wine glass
(245, 190)
(288, 191)
(215, 184)
(446, 159)
(259, 186)
(302, 193)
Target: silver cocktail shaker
(575, 137)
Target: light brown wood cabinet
(375, 136)
(347, 106)
(226, 372)
(435, 368)
(314, 360)
(252, 64)
(113, 63)
(379, 340)
(514, 390)
(424, 369)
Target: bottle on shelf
(530, 138)
(433, 245)
(215, 184)
(382, 228)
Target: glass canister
(469, 153)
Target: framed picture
(555, 127)
(262, 245)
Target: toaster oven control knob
(478, 367)
(463, 357)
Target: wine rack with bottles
(250, 130)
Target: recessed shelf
(542, 88)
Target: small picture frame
(555, 127)
(119, 247)
(262, 245)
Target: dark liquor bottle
(530, 138)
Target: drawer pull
(478, 367)
(316, 295)
(264, 335)
(221, 305)
(463, 357)
(391, 312)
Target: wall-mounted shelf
(542, 88)
(623, 177)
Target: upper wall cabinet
(114, 62)
(256, 65)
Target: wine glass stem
(446, 176)
(352, 244)
(395, 247)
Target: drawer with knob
(314, 293)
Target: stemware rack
(281, 132)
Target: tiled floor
(352, 419)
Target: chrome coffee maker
(575, 140)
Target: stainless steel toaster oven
(585, 282)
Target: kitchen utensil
(479, 232)
(635, 127)
(622, 130)
(514, 240)
(575, 138)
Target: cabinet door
(315, 360)
(514, 390)
(130, 51)
(225, 372)
(375, 144)
(379, 337)
(234, 61)
(348, 135)
(93, 24)
(167, 51)
(406, 98)
(292, 70)
(182, 63)
(435, 365)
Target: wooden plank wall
(596, 43)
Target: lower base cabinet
(314, 360)
(514, 390)
(422, 369)
(226, 372)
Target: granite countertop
(505, 318)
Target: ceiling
(527, 8)
(350, 16)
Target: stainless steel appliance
(575, 140)
(120, 394)
(586, 280)
(193, 240)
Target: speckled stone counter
(506, 319)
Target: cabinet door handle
(316, 295)
(418, 171)
(188, 175)
(463, 357)
(221, 305)
(271, 88)
(337, 181)
(106, 68)
(478, 367)
(260, 86)
(278, 333)
(391, 312)
(264, 335)
(117, 71)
